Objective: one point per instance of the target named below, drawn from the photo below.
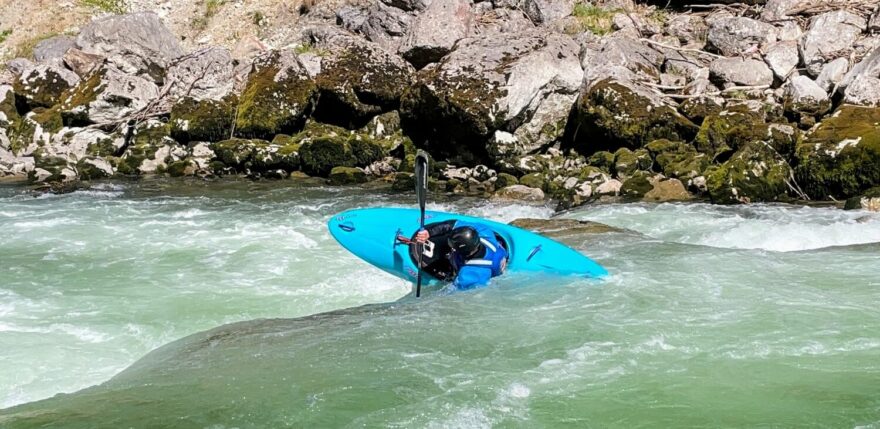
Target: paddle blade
(421, 178)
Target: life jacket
(495, 256)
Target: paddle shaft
(421, 171)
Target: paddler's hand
(422, 236)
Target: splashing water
(713, 316)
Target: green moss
(365, 151)
(116, 7)
(36, 90)
(637, 185)
(267, 107)
(594, 19)
(7, 107)
(677, 159)
(102, 148)
(755, 173)
(4, 34)
(87, 171)
(320, 155)
(347, 176)
(602, 159)
(206, 120)
(627, 162)
(504, 180)
(534, 180)
(723, 133)
(74, 102)
(841, 157)
(610, 116)
(179, 168)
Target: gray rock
(874, 23)
(692, 68)
(790, 31)
(42, 84)
(733, 36)
(776, 10)
(386, 26)
(782, 58)
(802, 95)
(502, 21)
(18, 65)
(832, 74)
(690, 30)
(831, 35)
(740, 72)
(52, 49)
(352, 18)
(206, 74)
(520, 193)
(864, 90)
(408, 5)
(136, 43)
(869, 66)
(110, 96)
(622, 58)
(435, 31)
(544, 11)
(508, 79)
(82, 63)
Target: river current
(228, 305)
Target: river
(227, 304)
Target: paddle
(421, 194)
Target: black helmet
(464, 240)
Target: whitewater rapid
(720, 308)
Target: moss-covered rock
(677, 159)
(533, 180)
(602, 159)
(347, 176)
(612, 115)
(700, 108)
(724, 133)
(637, 185)
(667, 190)
(320, 151)
(90, 168)
(8, 113)
(359, 80)
(627, 162)
(869, 200)
(43, 85)
(278, 97)
(755, 173)
(146, 141)
(504, 180)
(404, 181)
(206, 120)
(840, 158)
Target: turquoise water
(220, 305)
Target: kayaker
(471, 249)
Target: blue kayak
(381, 237)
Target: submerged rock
(559, 228)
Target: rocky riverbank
(526, 99)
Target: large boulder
(383, 24)
(492, 84)
(357, 81)
(435, 31)
(43, 84)
(677, 159)
(841, 156)
(782, 58)
(614, 114)
(53, 49)
(735, 35)
(207, 74)
(278, 97)
(755, 173)
(136, 43)
(723, 133)
(740, 71)
(832, 74)
(860, 85)
(831, 35)
(803, 96)
(107, 95)
(205, 120)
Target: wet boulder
(514, 83)
(347, 176)
(520, 193)
(107, 95)
(43, 84)
(358, 80)
(664, 190)
(868, 200)
(278, 97)
(841, 157)
(614, 114)
(149, 150)
(91, 167)
(136, 43)
(256, 157)
(755, 173)
(831, 35)
(736, 35)
(723, 133)
(207, 74)
(320, 152)
(436, 30)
